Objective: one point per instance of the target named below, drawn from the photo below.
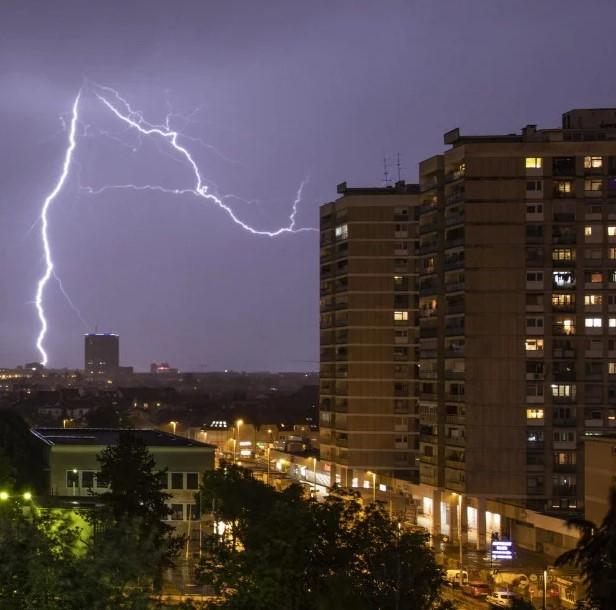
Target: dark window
(87, 479)
(563, 166)
(177, 480)
(72, 478)
(177, 512)
(192, 480)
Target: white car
(452, 577)
(501, 599)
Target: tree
(133, 514)
(595, 555)
(283, 551)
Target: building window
(611, 231)
(587, 231)
(563, 254)
(611, 253)
(593, 277)
(611, 368)
(534, 276)
(72, 478)
(87, 479)
(192, 480)
(593, 299)
(593, 185)
(564, 436)
(534, 413)
(593, 322)
(534, 345)
(177, 512)
(612, 322)
(562, 187)
(534, 436)
(563, 390)
(401, 316)
(563, 279)
(177, 480)
(533, 162)
(593, 162)
(342, 232)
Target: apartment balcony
(453, 243)
(558, 262)
(428, 459)
(453, 176)
(426, 248)
(454, 464)
(455, 442)
(428, 438)
(454, 375)
(455, 353)
(455, 397)
(454, 198)
(564, 422)
(430, 396)
(563, 353)
(454, 219)
(428, 227)
(454, 330)
(428, 353)
(455, 419)
(454, 485)
(454, 287)
(535, 446)
(564, 240)
(457, 263)
(564, 308)
(564, 375)
(455, 307)
(564, 400)
(427, 332)
(428, 183)
(564, 468)
(564, 490)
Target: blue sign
(502, 549)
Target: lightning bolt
(122, 110)
(135, 119)
(40, 288)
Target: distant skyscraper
(102, 354)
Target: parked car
(501, 599)
(475, 588)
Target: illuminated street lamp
(373, 475)
(174, 425)
(238, 423)
(75, 481)
(4, 496)
(27, 496)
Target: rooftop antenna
(385, 172)
(399, 169)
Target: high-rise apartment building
(517, 309)
(101, 354)
(368, 409)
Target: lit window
(401, 316)
(612, 322)
(533, 162)
(563, 390)
(342, 232)
(534, 413)
(593, 299)
(587, 231)
(534, 345)
(593, 322)
(563, 300)
(593, 184)
(611, 368)
(563, 186)
(593, 162)
(563, 254)
(611, 231)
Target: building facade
(73, 465)
(599, 476)
(368, 307)
(517, 310)
(101, 354)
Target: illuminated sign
(502, 549)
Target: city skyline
(182, 283)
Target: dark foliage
(595, 555)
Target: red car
(475, 588)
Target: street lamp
(4, 496)
(373, 475)
(459, 533)
(75, 481)
(238, 423)
(173, 424)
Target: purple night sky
(271, 92)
